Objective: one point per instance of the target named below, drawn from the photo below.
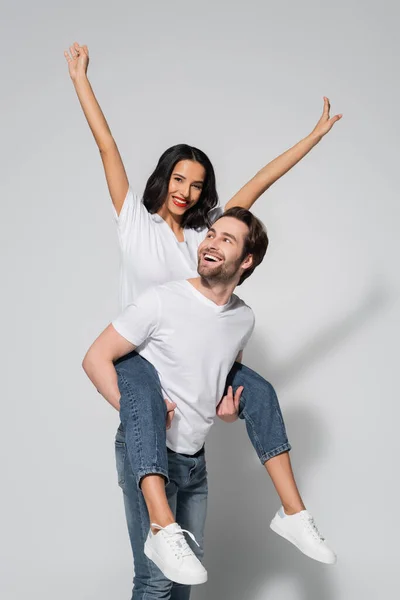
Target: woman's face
(185, 186)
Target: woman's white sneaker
(169, 550)
(300, 529)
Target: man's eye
(227, 240)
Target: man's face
(220, 254)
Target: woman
(158, 239)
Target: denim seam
(151, 565)
(259, 449)
(133, 414)
(121, 445)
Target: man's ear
(248, 262)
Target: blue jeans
(187, 496)
(143, 414)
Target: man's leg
(190, 476)
(260, 409)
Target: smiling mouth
(211, 258)
(179, 202)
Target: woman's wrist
(315, 137)
(79, 79)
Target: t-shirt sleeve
(249, 333)
(215, 213)
(130, 219)
(139, 321)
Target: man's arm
(98, 363)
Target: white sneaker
(169, 550)
(301, 530)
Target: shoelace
(311, 526)
(177, 541)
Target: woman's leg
(143, 417)
(143, 422)
(259, 407)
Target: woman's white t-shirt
(150, 253)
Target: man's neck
(218, 292)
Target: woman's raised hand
(326, 122)
(77, 59)
(117, 181)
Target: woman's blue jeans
(141, 439)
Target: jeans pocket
(120, 456)
(198, 471)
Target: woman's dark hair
(256, 241)
(197, 217)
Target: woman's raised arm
(117, 180)
(274, 170)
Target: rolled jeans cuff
(279, 450)
(150, 471)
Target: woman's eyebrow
(183, 177)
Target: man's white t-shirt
(150, 253)
(192, 342)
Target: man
(192, 332)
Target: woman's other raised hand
(78, 60)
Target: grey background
(243, 81)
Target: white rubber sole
(172, 574)
(275, 527)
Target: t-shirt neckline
(203, 298)
(158, 218)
